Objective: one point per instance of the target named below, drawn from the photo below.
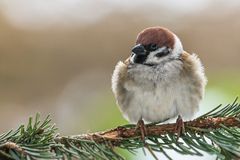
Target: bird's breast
(151, 105)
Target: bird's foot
(179, 128)
(143, 131)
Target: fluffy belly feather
(161, 104)
(151, 106)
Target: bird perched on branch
(159, 80)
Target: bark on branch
(120, 133)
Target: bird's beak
(139, 54)
(139, 50)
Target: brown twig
(11, 145)
(120, 133)
(8, 146)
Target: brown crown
(156, 35)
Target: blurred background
(57, 57)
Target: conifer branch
(198, 125)
(216, 132)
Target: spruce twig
(216, 132)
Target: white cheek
(152, 56)
(133, 56)
(178, 48)
(158, 50)
(152, 59)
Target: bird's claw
(143, 131)
(179, 128)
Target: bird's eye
(153, 47)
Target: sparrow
(159, 81)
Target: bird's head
(154, 45)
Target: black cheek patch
(163, 53)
